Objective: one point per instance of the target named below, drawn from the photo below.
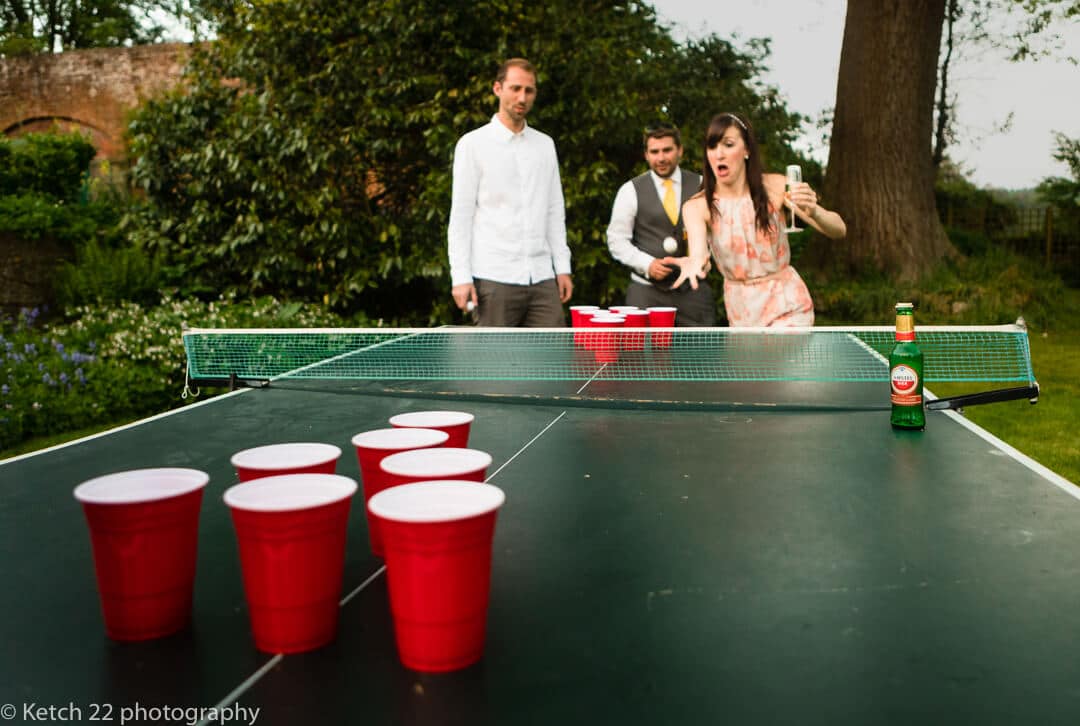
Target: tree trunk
(880, 176)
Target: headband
(737, 120)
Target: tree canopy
(310, 151)
(47, 26)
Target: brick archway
(92, 91)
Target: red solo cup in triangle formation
(438, 537)
(455, 423)
(623, 309)
(578, 319)
(662, 318)
(144, 531)
(607, 341)
(635, 319)
(291, 532)
(278, 459)
(374, 446)
(409, 467)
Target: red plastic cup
(438, 537)
(661, 318)
(623, 309)
(606, 340)
(374, 446)
(578, 319)
(278, 459)
(635, 319)
(291, 534)
(455, 423)
(427, 464)
(144, 531)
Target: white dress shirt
(507, 219)
(620, 230)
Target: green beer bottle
(906, 373)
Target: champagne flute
(794, 176)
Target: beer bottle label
(905, 386)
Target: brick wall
(91, 91)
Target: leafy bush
(34, 216)
(54, 166)
(996, 287)
(114, 363)
(102, 274)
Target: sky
(1043, 97)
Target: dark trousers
(697, 308)
(519, 306)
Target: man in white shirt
(646, 231)
(507, 233)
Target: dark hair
(514, 63)
(717, 127)
(661, 130)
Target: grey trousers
(519, 306)
(696, 308)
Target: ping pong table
(672, 551)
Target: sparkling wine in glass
(794, 176)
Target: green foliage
(969, 213)
(102, 274)
(54, 166)
(994, 287)
(322, 166)
(114, 363)
(1064, 194)
(35, 26)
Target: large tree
(881, 162)
(880, 172)
(322, 166)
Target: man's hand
(661, 267)
(566, 287)
(462, 294)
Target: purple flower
(63, 377)
(5, 389)
(59, 346)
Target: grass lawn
(1046, 431)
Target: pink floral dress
(761, 288)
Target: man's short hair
(661, 130)
(514, 63)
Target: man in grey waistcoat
(646, 231)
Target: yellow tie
(669, 201)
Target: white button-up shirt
(507, 220)
(620, 229)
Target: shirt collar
(504, 133)
(676, 177)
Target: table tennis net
(979, 353)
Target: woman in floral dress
(738, 219)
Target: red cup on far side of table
(662, 317)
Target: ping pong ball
(670, 245)
(470, 306)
